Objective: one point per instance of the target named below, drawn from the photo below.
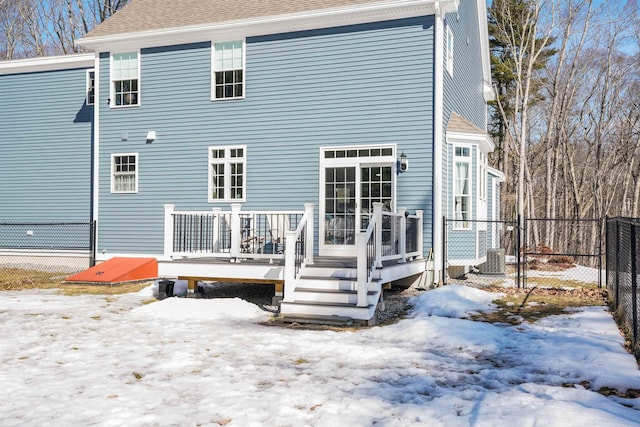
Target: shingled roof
(459, 124)
(150, 15)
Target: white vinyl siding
(227, 173)
(124, 173)
(125, 84)
(228, 70)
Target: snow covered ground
(114, 361)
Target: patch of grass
(12, 279)
(530, 305)
(300, 361)
(72, 290)
(558, 282)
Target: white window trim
(482, 176)
(112, 99)
(449, 50)
(88, 86)
(458, 159)
(227, 172)
(112, 172)
(213, 70)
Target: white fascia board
(47, 63)
(500, 176)
(324, 18)
(484, 50)
(481, 139)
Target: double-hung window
(462, 187)
(125, 79)
(124, 173)
(227, 173)
(228, 70)
(91, 87)
(449, 51)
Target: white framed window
(462, 187)
(449, 58)
(228, 70)
(124, 173)
(125, 79)
(90, 87)
(482, 178)
(227, 173)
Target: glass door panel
(376, 183)
(340, 206)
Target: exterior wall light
(403, 163)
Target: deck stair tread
(331, 304)
(317, 319)
(332, 291)
(350, 279)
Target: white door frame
(357, 157)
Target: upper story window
(91, 86)
(227, 173)
(228, 70)
(449, 51)
(125, 76)
(462, 187)
(124, 173)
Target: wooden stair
(326, 293)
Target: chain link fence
(36, 253)
(623, 260)
(563, 252)
(481, 253)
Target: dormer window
(228, 70)
(125, 85)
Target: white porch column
(236, 231)
(215, 239)
(361, 247)
(308, 211)
(168, 230)
(403, 234)
(289, 265)
(377, 218)
(420, 237)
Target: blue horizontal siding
(45, 147)
(358, 85)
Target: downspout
(438, 96)
(95, 191)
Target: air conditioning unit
(495, 262)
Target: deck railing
(231, 234)
(298, 251)
(389, 236)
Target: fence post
(93, 242)
(634, 282)
(168, 230)
(617, 255)
(518, 238)
(444, 250)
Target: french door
(347, 205)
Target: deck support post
(308, 239)
(420, 236)
(289, 265)
(402, 241)
(377, 218)
(168, 230)
(215, 240)
(236, 232)
(361, 247)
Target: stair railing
(298, 251)
(369, 250)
